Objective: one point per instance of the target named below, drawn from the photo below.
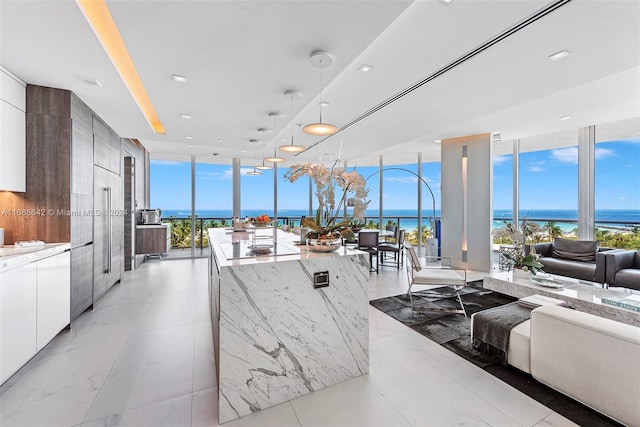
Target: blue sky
(548, 180)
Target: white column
(586, 182)
(236, 187)
(467, 212)
(516, 181)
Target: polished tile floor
(144, 357)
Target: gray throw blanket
(491, 328)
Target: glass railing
(614, 234)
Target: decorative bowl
(324, 245)
(261, 223)
(261, 249)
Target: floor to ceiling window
(170, 190)
(256, 192)
(548, 185)
(214, 199)
(502, 192)
(617, 184)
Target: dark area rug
(453, 331)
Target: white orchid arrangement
(326, 180)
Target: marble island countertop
(233, 247)
(12, 257)
(286, 323)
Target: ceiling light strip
(552, 7)
(97, 14)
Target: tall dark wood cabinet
(108, 230)
(82, 206)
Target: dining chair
(390, 239)
(368, 242)
(441, 275)
(396, 248)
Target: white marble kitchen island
(276, 337)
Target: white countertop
(220, 236)
(12, 257)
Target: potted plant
(526, 263)
(331, 224)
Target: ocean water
(566, 219)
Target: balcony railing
(619, 234)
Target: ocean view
(566, 219)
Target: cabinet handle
(110, 229)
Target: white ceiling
(241, 56)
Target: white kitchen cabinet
(12, 133)
(17, 318)
(53, 297)
(34, 305)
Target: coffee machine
(150, 216)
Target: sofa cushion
(628, 278)
(577, 250)
(569, 268)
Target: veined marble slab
(279, 338)
(579, 296)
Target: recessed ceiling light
(565, 117)
(185, 116)
(220, 140)
(243, 151)
(283, 139)
(364, 68)
(559, 55)
(179, 79)
(323, 103)
(446, 1)
(188, 137)
(191, 145)
(437, 141)
(90, 81)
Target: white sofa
(593, 360)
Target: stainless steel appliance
(150, 216)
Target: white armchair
(441, 275)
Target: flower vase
(521, 274)
(324, 244)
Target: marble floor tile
(281, 415)
(169, 413)
(153, 366)
(60, 388)
(167, 311)
(204, 362)
(352, 403)
(204, 408)
(555, 420)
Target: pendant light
(254, 171)
(320, 59)
(274, 158)
(291, 148)
(263, 167)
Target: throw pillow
(577, 250)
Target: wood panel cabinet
(151, 239)
(106, 147)
(81, 279)
(108, 230)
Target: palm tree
(553, 229)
